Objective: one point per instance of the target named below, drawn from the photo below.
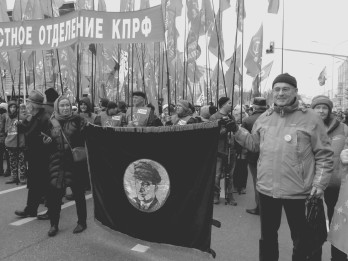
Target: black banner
(155, 184)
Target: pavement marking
(140, 248)
(12, 189)
(26, 220)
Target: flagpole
(283, 38)
(241, 80)
(235, 58)
(34, 62)
(44, 69)
(2, 85)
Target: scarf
(56, 113)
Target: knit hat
(146, 172)
(322, 99)
(139, 93)
(36, 97)
(222, 101)
(287, 78)
(259, 101)
(51, 94)
(104, 102)
(111, 105)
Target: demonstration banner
(155, 183)
(83, 26)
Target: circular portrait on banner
(147, 185)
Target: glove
(231, 125)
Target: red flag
(322, 77)
(224, 4)
(101, 6)
(144, 4)
(255, 86)
(174, 6)
(241, 14)
(33, 10)
(216, 38)
(238, 54)
(207, 17)
(3, 11)
(51, 7)
(85, 4)
(273, 6)
(266, 71)
(254, 56)
(19, 9)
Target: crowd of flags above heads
(176, 73)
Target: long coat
(36, 155)
(63, 171)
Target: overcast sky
(314, 25)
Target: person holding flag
(295, 162)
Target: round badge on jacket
(287, 138)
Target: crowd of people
(291, 151)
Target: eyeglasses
(278, 89)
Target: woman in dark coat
(63, 171)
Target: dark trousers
(35, 195)
(2, 152)
(331, 197)
(270, 215)
(54, 204)
(240, 174)
(252, 168)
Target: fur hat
(139, 93)
(4, 105)
(111, 105)
(51, 94)
(259, 101)
(36, 97)
(205, 112)
(287, 78)
(104, 102)
(185, 104)
(322, 99)
(222, 101)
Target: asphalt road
(26, 239)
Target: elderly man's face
(145, 190)
(283, 93)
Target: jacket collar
(332, 124)
(295, 106)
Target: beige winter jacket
(295, 151)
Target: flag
(144, 4)
(255, 86)
(153, 193)
(33, 10)
(19, 9)
(216, 37)
(207, 17)
(3, 11)
(224, 4)
(253, 58)
(240, 10)
(51, 7)
(322, 77)
(266, 71)
(85, 4)
(273, 6)
(101, 6)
